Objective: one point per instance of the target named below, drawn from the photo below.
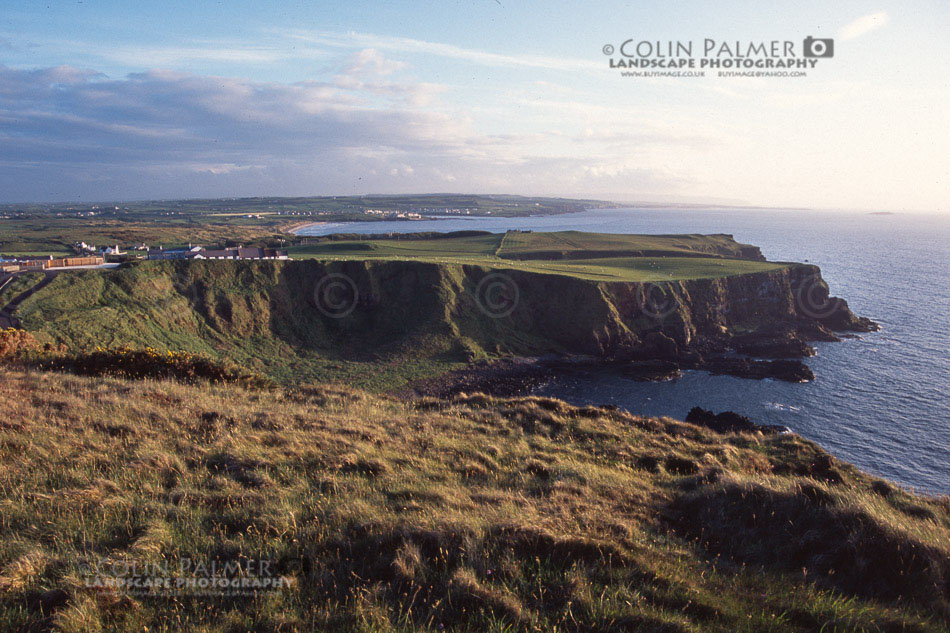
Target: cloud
(68, 133)
(863, 25)
(439, 49)
(371, 62)
(219, 52)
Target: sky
(114, 100)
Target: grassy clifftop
(471, 514)
(594, 256)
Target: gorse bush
(14, 342)
(124, 362)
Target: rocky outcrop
(729, 422)
(726, 325)
(752, 326)
(787, 370)
(784, 344)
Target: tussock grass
(469, 514)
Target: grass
(472, 514)
(45, 234)
(18, 284)
(147, 363)
(577, 244)
(592, 256)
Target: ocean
(879, 401)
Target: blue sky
(118, 100)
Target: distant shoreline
(294, 229)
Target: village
(88, 256)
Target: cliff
(327, 319)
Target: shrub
(14, 342)
(149, 363)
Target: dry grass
(475, 514)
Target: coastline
(294, 229)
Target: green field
(594, 256)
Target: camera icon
(816, 47)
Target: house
(242, 253)
(45, 263)
(197, 252)
(161, 253)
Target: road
(7, 320)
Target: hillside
(470, 514)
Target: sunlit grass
(474, 514)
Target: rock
(690, 359)
(659, 346)
(815, 331)
(770, 346)
(729, 422)
(843, 320)
(788, 370)
(652, 370)
(503, 377)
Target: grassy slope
(475, 515)
(20, 283)
(259, 315)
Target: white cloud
(863, 25)
(439, 49)
(371, 62)
(68, 134)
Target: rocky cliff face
(716, 324)
(616, 319)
